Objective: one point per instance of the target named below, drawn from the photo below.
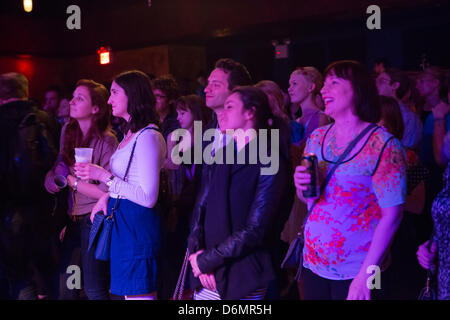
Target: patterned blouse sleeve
(389, 180)
(312, 143)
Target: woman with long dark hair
(231, 235)
(88, 127)
(133, 186)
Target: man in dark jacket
(28, 148)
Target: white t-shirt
(142, 183)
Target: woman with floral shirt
(353, 223)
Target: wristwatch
(75, 184)
(109, 181)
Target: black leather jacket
(257, 207)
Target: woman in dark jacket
(240, 212)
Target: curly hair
(168, 85)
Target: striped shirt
(206, 294)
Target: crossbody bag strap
(129, 163)
(333, 169)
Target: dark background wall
(184, 37)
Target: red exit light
(105, 55)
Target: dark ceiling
(127, 24)
(43, 9)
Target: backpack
(32, 154)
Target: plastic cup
(83, 155)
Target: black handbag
(102, 225)
(294, 255)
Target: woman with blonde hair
(304, 86)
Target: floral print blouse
(339, 230)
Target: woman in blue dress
(133, 188)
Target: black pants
(94, 273)
(315, 287)
(318, 288)
(96, 276)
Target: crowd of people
(383, 202)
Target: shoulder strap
(129, 164)
(310, 118)
(134, 147)
(338, 162)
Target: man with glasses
(166, 91)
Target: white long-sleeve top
(142, 183)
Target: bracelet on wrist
(75, 185)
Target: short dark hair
(400, 77)
(141, 101)
(13, 85)
(383, 61)
(168, 85)
(238, 74)
(392, 116)
(196, 105)
(255, 99)
(54, 88)
(365, 94)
